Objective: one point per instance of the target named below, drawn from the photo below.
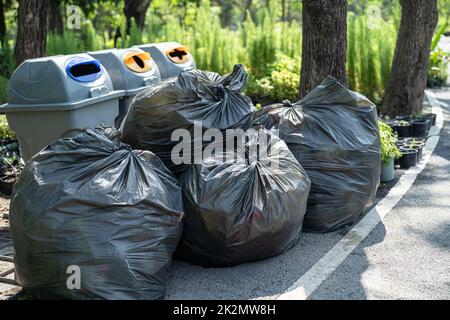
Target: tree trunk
(324, 43)
(283, 10)
(32, 30)
(2, 21)
(137, 10)
(408, 79)
(55, 18)
(248, 4)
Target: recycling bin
(132, 70)
(54, 97)
(171, 58)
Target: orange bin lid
(178, 55)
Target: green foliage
(3, 89)
(389, 149)
(5, 131)
(438, 68)
(371, 45)
(281, 82)
(437, 36)
(135, 36)
(7, 63)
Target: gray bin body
(56, 97)
(131, 81)
(168, 68)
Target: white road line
(318, 273)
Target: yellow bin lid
(138, 62)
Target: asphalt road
(406, 256)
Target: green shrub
(438, 68)
(281, 82)
(7, 62)
(389, 149)
(5, 132)
(369, 55)
(3, 90)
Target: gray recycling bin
(172, 58)
(54, 97)
(131, 70)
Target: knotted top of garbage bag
(195, 99)
(325, 115)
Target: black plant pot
(413, 147)
(416, 140)
(404, 117)
(392, 123)
(404, 131)
(6, 185)
(397, 162)
(429, 122)
(431, 117)
(420, 127)
(408, 159)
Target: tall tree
(32, 30)
(324, 43)
(226, 12)
(137, 10)
(408, 79)
(55, 17)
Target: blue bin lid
(83, 69)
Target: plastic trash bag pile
(92, 204)
(244, 209)
(118, 214)
(333, 133)
(196, 96)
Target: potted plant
(438, 68)
(409, 157)
(403, 129)
(416, 144)
(429, 116)
(420, 127)
(408, 117)
(417, 149)
(11, 169)
(389, 152)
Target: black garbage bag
(91, 208)
(202, 97)
(333, 133)
(243, 209)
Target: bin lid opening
(178, 55)
(138, 62)
(84, 70)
